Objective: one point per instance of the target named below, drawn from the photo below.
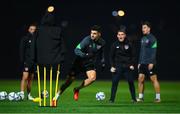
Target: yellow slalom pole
(39, 85)
(44, 86)
(51, 86)
(57, 78)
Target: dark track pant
(128, 73)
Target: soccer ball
(11, 96)
(42, 94)
(17, 97)
(21, 95)
(3, 95)
(100, 96)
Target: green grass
(170, 95)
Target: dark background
(80, 16)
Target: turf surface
(170, 95)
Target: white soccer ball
(17, 97)
(3, 95)
(44, 92)
(100, 96)
(11, 96)
(21, 95)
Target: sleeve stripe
(78, 46)
(154, 45)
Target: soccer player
(25, 58)
(86, 53)
(147, 62)
(122, 61)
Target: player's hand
(139, 65)
(131, 67)
(113, 69)
(150, 66)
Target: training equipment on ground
(3, 95)
(37, 99)
(43, 95)
(100, 96)
(21, 95)
(11, 96)
(17, 97)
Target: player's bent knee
(92, 78)
(141, 79)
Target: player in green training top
(86, 53)
(147, 62)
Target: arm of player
(133, 57)
(82, 45)
(112, 56)
(33, 50)
(21, 50)
(153, 53)
(140, 55)
(102, 58)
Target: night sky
(81, 15)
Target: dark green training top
(148, 49)
(88, 49)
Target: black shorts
(143, 69)
(79, 66)
(27, 68)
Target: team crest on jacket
(117, 47)
(126, 47)
(90, 46)
(98, 46)
(147, 41)
(29, 41)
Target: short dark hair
(96, 28)
(26, 27)
(122, 28)
(146, 23)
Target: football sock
(157, 95)
(141, 95)
(66, 84)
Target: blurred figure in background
(25, 58)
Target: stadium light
(121, 13)
(50, 9)
(114, 13)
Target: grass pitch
(87, 103)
